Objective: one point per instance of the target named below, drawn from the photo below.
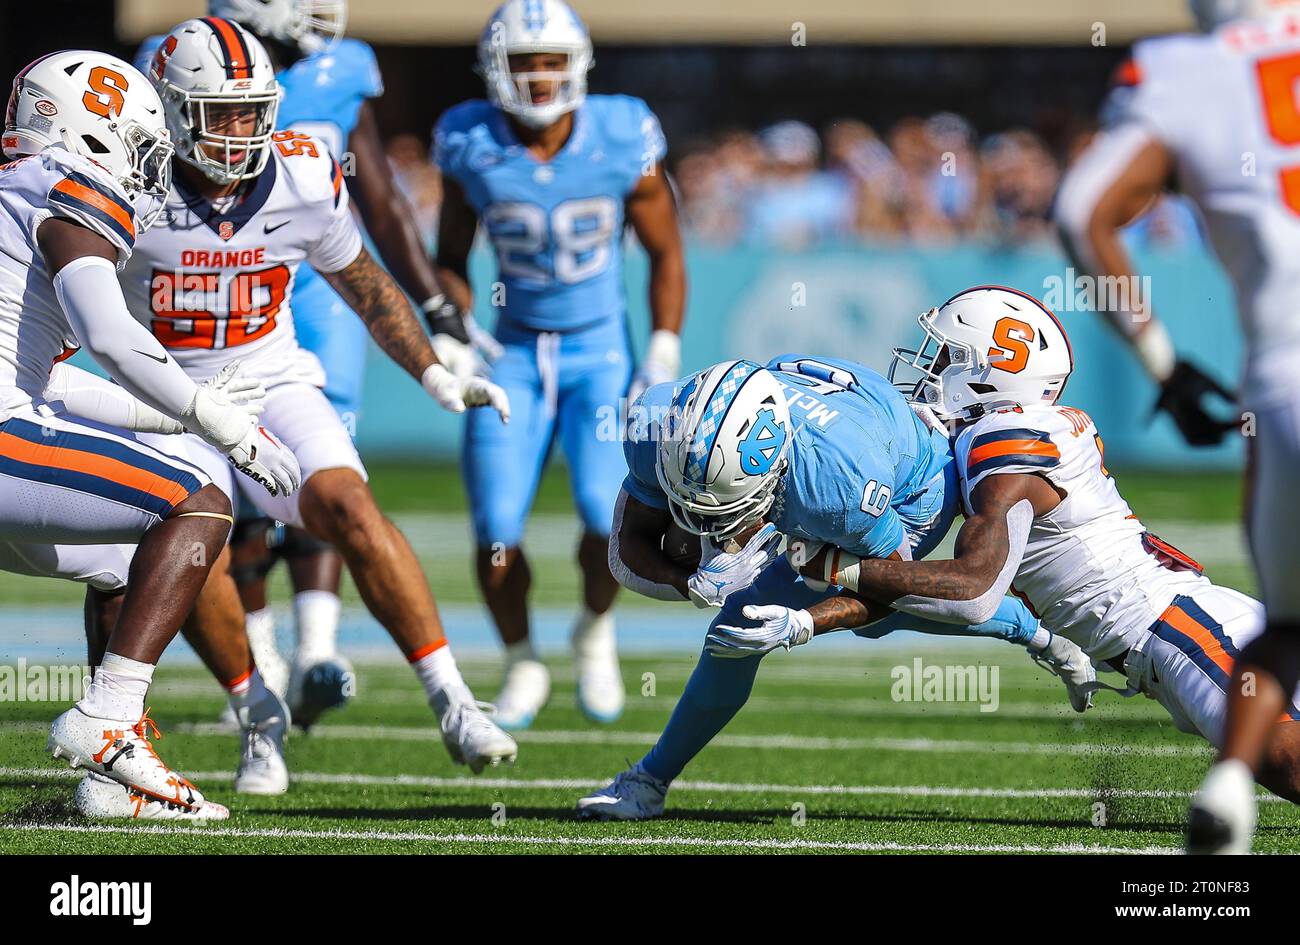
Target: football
(681, 546)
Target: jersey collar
(577, 136)
(240, 213)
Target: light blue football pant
(720, 686)
(564, 387)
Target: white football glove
(724, 573)
(663, 359)
(240, 389)
(456, 393)
(777, 626)
(264, 459)
(223, 408)
(449, 335)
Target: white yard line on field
(780, 742)
(388, 836)
(707, 787)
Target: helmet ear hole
(95, 144)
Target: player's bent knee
(337, 506)
(207, 502)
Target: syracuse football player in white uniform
(1220, 114)
(92, 160)
(213, 283)
(1045, 520)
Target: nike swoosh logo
(152, 357)
(271, 229)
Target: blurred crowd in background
(924, 181)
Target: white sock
(316, 614)
(118, 689)
(436, 669)
(248, 689)
(521, 651)
(1042, 637)
(260, 627)
(593, 635)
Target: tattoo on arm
(983, 544)
(845, 611)
(373, 295)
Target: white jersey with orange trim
(216, 286)
(34, 331)
(1090, 570)
(1227, 107)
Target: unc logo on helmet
(760, 449)
(723, 462)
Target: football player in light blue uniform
(327, 83)
(821, 451)
(554, 176)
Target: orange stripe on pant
(96, 200)
(62, 457)
(1013, 447)
(1178, 618)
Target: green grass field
(822, 759)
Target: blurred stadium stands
(905, 151)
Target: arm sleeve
(91, 297)
(72, 390)
(978, 610)
(623, 574)
(340, 244)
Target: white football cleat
(470, 736)
(101, 798)
(1064, 658)
(1222, 817)
(635, 794)
(122, 752)
(263, 726)
(526, 688)
(318, 685)
(595, 660)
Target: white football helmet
(723, 448)
(314, 26)
(534, 26)
(214, 62)
(984, 349)
(102, 108)
(1211, 14)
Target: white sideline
(781, 742)
(744, 844)
(710, 787)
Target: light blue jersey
(557, 226)
(323, 95)
(864, 472)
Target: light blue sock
(714, 694)
(1013, 622)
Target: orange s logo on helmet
(106, 95)
(1012, 351)
(160, 58)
